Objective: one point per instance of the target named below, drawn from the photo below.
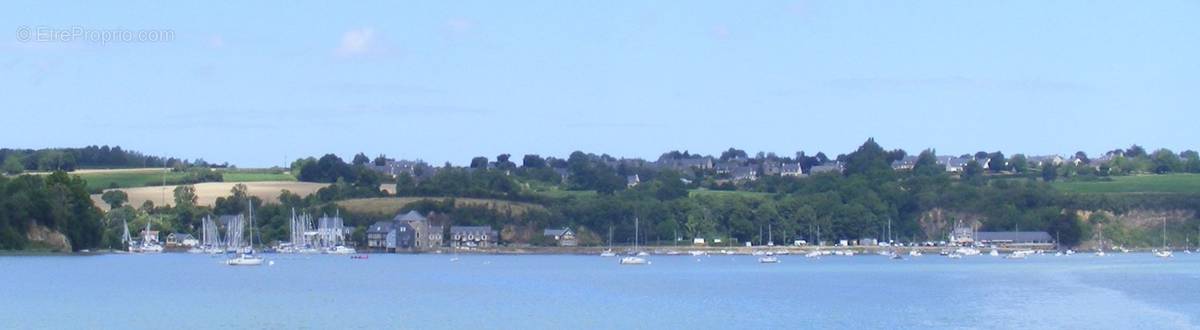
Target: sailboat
(769, 258)
(635, 259)
(1100, 248)
(148, 244)
(248, 258)
(609, 252)
(125, 238)
(1164, 253)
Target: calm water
(182, 291)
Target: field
(707, 192)
(207, 193)
(392, 205)
(142, 177)
(1167, 183)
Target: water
(180, 291)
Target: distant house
(182, 239)
(698, 241)
(771, 168)
(953, 164)
(906, 163)
(962, 235)
(868, 242)
(425, 234)
(744, 173)
(826, 168)
(792, 169)
(632, 181)
(473, 236)
(564, 236)
(703, 163)
(1039, 161)
(1013, 237)
(381, 236)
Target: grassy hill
(392, 205)
(207, 193)
(143, 177)
(1166, 183)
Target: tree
(927, 164)
(185, 196)
(503, 163)
(115, 198)
(13, 165)
(733, 154)
(479, 162)
(973, 172)
(870, 160)
(1082, 157)
(897, 154)
(996, 162)
(1066, 226)
(1135, 151)
(380, 160)
(361, 159)
(1165, 161)
(1049, 171)
(1019, 163)
(533, 161)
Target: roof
(410, 216)
(555, 232)
(180, 235)
(381, 227)
(1014, 236)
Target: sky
(258, 83)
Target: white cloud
(356, 42)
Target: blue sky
(257, 82)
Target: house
(962, 235)
(473, 236)
(182, 239)
(1014, 238)
(632, 181)
(564, 236)
(744, 173)
(425, 234)
(906, 163)
(826, 168)
(953, 164)
(771, 168)
(381, 236)
(698, 241)
(1039, 161)
(868, 242)
(793, 169)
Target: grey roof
(181, 235)
(1014, 236)
(410, 216)
(555, 232)
(381, 227)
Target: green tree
(927, 164)
(1019, 163)
(361, 159)
(1049, 171)
(1165, 161)
(997, 162)
(870, 160)
(479, 162)
(185, 196)
(114, 198)
(973, 172)
(13, 165)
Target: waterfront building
(473, 236)
(564, 236)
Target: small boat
(697, 253)
(247, 258)
(813, 254)
(1163, 254)
(994, 253)
(768, 260)
(340, 249)
(607, 253)
(914, 253)
(636, 259)
(896, 256)
(954, 256)
(359, 256)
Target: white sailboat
(635, 259)
(1164, 253)
(609, 253)
(248, 258)
(1100, 248)
(769, 258)
(149, 242)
